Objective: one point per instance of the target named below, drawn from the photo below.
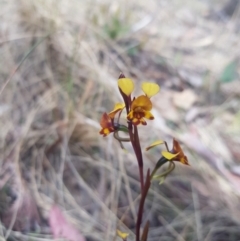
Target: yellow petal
(169, 155)
(126, 85)
(136, 121)
(104, 131)
(143, 122)
(148, 115)
(155, 143)
(130, 115)
(118, 107)
(142, 101)
(122, 234)
(150, 89)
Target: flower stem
(139, 156)
(160, 162)
(141, 205)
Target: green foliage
(229, 73)
(115, 28)
(69, 85)
(133, 51)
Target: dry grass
(58, 69)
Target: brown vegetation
(59, 64)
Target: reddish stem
(141, 205)
(137, 149)
(139, 156)
(141, 178)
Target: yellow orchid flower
(118, 107)
(106, 124)
(176, 154)
(142, 105)
(140, 109)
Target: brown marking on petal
(138, 113)
(177, 149)
(106, 124)
(143, 122)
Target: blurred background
(59, 65)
